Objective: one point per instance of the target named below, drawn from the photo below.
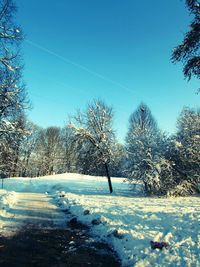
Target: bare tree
(27, 149)
(49, 150)
(69, 151)
(94, 128)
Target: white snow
(140, 220)
(7, 201)
(128, 223)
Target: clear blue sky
(119, 51)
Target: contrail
(78, 65)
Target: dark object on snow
(116, 234)
(67, 211)
(86, 212)
(159, 245)
(73, 222)
(96, 221)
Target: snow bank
(129, 224)
(7, 201)
(69, 182)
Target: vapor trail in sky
(78, 65)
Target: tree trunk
(109, 179)
(146, 188)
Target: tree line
(87, 144)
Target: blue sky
(119, 51)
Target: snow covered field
(127, 222)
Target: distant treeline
(87, 144)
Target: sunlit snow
(137, 220)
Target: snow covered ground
(7, 201)
(127, 222)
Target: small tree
(94, 128)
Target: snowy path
(34, 209)
(37, 234)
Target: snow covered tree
(118, 160)
(16, 141)
(49, 149)
(143, 146)
(184, 153)
(69, 150)
(93, 129)
(88, 160)
(12, 93)
(10, 147)
(189, 51)
(28, 148)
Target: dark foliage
(189, 51)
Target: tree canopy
(188, 52)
